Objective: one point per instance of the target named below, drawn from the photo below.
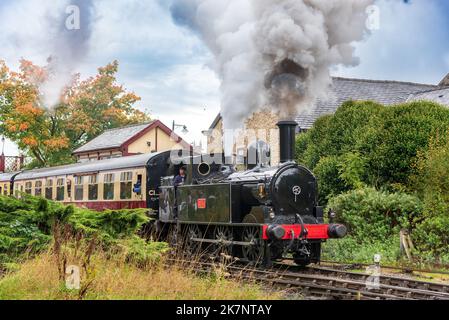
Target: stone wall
(260, 126)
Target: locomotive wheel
(223, 233)
(253, 252)
(193, 232)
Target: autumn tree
(86, 108)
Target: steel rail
(332, 284)
(405, 268)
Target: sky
(168, 65)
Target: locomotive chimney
(287, 132)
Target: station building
(131, 140)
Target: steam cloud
(68, 49)
(274, 53)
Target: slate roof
(113, 138)
(384, 92)
(440, 96)
(344, 89)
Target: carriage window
(49, 189)
(5, 189)
(126, 185)
(17, 191)
(69, 188)
(60, 189)
(28, 186)
(38, 188)
(93, 187)
(79, 190)
(108, 187)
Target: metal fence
(11, 163)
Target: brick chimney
(445, 81)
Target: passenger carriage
(117, 183)
(6, 183)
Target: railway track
(405, 269)
(386, 280)
(319, 282)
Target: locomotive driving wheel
(194, 234)
(254, 251)
(223, 234)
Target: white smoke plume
(68, 44)
(274, 53)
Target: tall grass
(111, 278)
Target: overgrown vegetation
(39, 239)
(383, 169)
(116, 278)
(27, 225)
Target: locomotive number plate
(201, 203)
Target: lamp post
(2, 157)
(184, 127)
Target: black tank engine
(259, 215)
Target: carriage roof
(89, 167)
(5, 177)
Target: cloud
(186, 93)
(410, 45)
(164, 64)
(168, 65)
(26, 29)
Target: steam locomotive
(259, 215)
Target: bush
(140, 252)
(431, 238)
(26, 224)
(372, 215)
(370, 144)
(334, 135)
(391, 147)
(329, 181)
(431, 182)
(350, 250)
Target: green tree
(370, 144)
(391, 146)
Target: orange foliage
(57, 143)
(24, 126)
(29, 110)
(31, 73)
(30, 141)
